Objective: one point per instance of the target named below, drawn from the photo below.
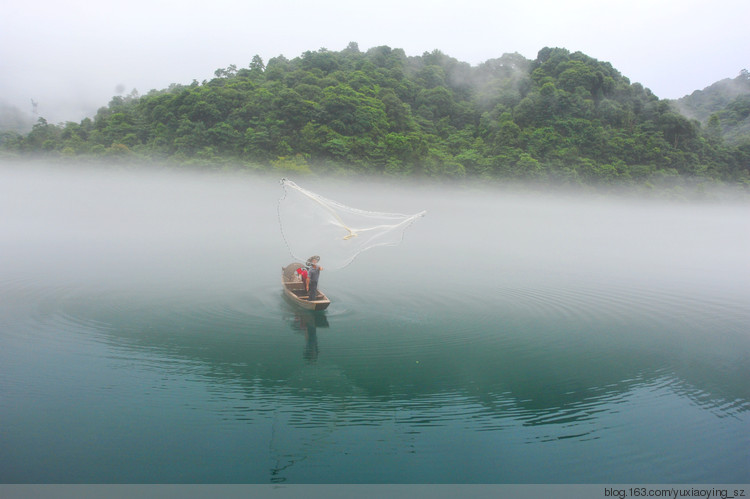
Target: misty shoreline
(672, 189)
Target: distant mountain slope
(12, 119)
(723, 107)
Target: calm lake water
(511, 338)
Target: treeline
(564, 118)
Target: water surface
(511, 338)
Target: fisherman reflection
(308, 323)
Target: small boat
(294, 288)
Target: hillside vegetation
(723, 108)
(563, 118)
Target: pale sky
(72, 56)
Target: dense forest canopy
(564, 118)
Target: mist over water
(510, 338)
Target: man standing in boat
(313, 274)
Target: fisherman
(313, 273)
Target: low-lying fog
(106, 227)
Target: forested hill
(724, 108)
(563, 118)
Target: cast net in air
(314, 225)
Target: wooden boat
(294, 289)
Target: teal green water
(511, 338)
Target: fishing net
(313, 225)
